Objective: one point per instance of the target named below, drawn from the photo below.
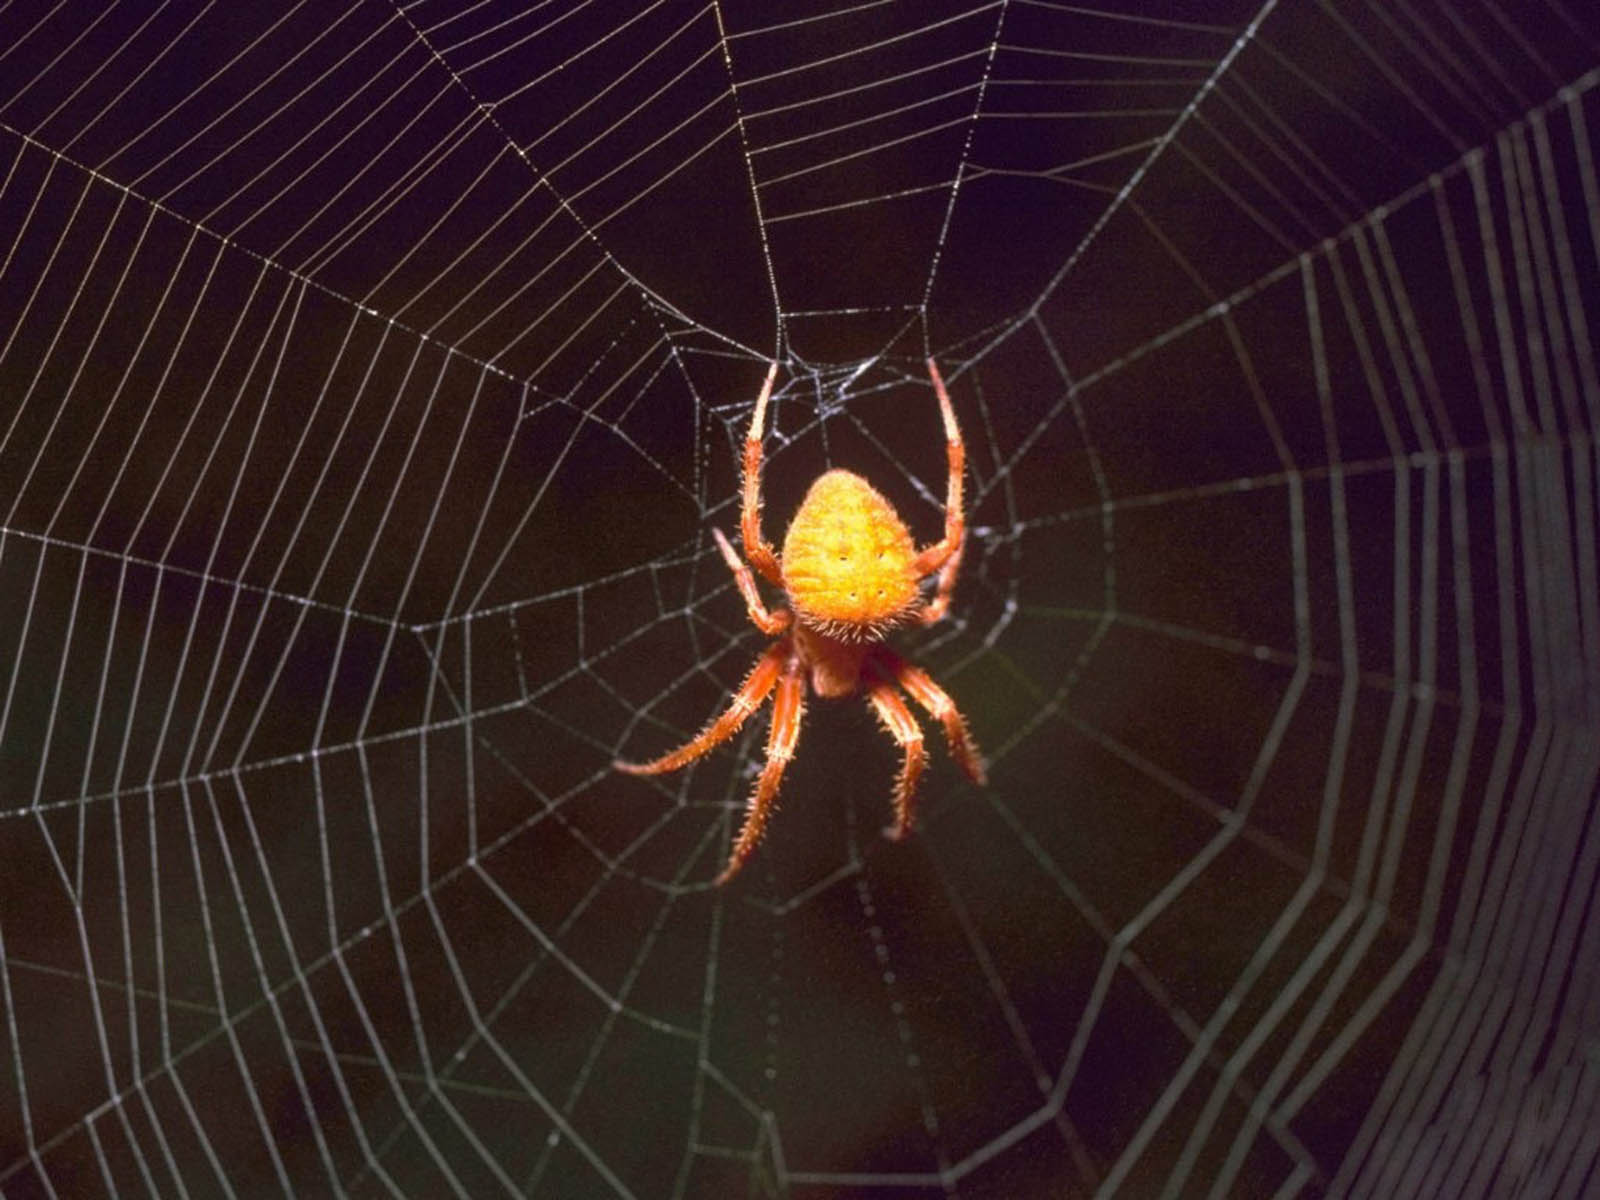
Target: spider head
(848, 560)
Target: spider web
(371, 378)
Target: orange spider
(851, 574)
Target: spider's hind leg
(756, 547)
(767, 622)
(944, 555)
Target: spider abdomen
(848, 560)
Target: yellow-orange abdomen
(847, 559)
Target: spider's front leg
(787, 710)
(745, 701)
(941, 708)
(902, 726)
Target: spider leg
(943, 709)
(767, 622)
(756, 548)
(945, 553)
(745, 701)
(787, 710)
(902, 726)
(933, 611)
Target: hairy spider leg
(787, 710)
(941, 708)
(756, 548)
(767, 622)
(944, 556)
(745, 701)
(933, 611)
(903, 727)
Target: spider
(851, 574)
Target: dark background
(371, 377)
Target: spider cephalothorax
(851, 573)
